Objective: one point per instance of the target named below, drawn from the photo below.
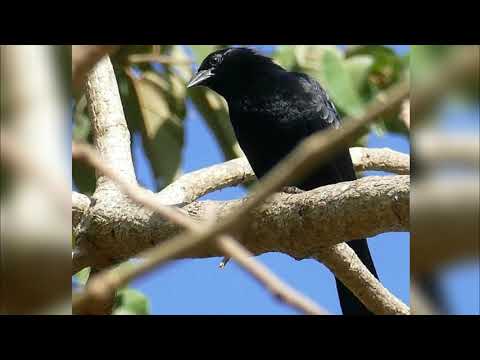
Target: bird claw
(291, 190)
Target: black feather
(271, 111)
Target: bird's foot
(291, 190)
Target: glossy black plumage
(271, 111)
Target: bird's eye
(217, 59)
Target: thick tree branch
(103, 287)
(84, 57)
(321, 217)
(112, 140)
(110, 130)
(382, 301)
(80, 204)
(307, 156)
(196, 184)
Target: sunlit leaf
(82, 275)
(425, 59)
(336, 78)
(284, 55)
(387, 67)
(310, 56)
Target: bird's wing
(323, 106)
(323, 116)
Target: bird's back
(270, 123)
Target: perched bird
(271, 111)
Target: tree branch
(80, 204)
(349, 269)
(321, 217)
(103, 287)
(380, 160)
(458, 68)
(405, 113)
(198, 183)
(277, 287)
(310, 153)
(112, 140)
(110, 130)
(84, 57)
(435, 148)
(445, 217)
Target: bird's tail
(348, 301)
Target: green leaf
(285, 56)
(359, 67)
(310, 56)
(200, 52)
(425, 59)
(82, 275)
(131, 302)
(335, 77)
(161, 99)
(387, 67)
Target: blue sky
(200, 287)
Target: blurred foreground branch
(35, 240)
(460, 67)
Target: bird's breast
(265, 136)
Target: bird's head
(231, 69)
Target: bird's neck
(251, 84)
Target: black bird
(271, 111)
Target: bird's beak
(200, 77)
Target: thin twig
(349, 269)
(276, 286)
(159, 59)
